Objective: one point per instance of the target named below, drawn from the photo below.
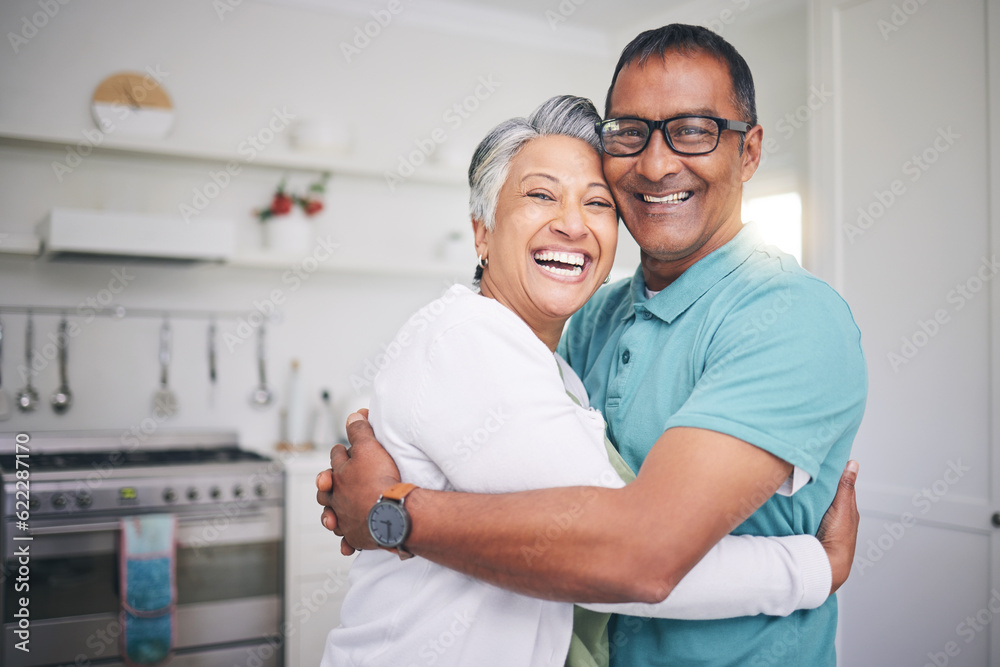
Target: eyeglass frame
(722, 123)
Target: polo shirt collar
(704, 274)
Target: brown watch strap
(398, 491)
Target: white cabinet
(315, 570)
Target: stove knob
(169, 495)
(215, 492)
(237, 491)
(260, 490)
(83, 500)
(192, 494)
(58, 501)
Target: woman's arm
(744, 575)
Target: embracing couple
(689, 516)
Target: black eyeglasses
(687, 135)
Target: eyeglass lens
(690, 135)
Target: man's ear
(479, 230)
(752, 146)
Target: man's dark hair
(690, 39)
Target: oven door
(229, 590)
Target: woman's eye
(541, 195)
(601, 203)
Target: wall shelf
(271, 158)
(429, 269)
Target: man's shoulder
(772, 281)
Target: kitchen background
(881, 118)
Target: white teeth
(669, 199)
(575, 258)
(575, 271)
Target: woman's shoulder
(460, 313)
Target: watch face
(388, 524)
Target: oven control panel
(99, 495)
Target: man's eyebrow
(699, 111)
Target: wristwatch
(388, 520)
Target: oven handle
(106, 526)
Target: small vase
(288, 234)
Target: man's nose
(658, 159)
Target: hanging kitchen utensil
(261, 396)
(27, 398)
(212, 373)
(4, 396)
(62, 397)
(164, 399)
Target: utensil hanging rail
(121, 312)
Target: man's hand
(838, 532)
(353, 484)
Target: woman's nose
(570, 222)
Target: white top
(471, 400)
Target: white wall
(226, 73)
(225, 77)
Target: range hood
(74, 234)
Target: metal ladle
(261, 397)
(27, 398)
(62, 397)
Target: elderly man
(729, 377)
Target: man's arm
(576, 543)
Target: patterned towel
(148, 588)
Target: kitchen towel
(148, 588)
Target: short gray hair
(565, 115)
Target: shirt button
(626, 355)
(646, 315)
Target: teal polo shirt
(747, 343)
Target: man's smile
(672, 198)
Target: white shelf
(271, 261)
(19, 244)
(28, 246)
(273, 157)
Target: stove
(63, 498)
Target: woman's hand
(353, 484)
(838, 532)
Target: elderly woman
(478, 381)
